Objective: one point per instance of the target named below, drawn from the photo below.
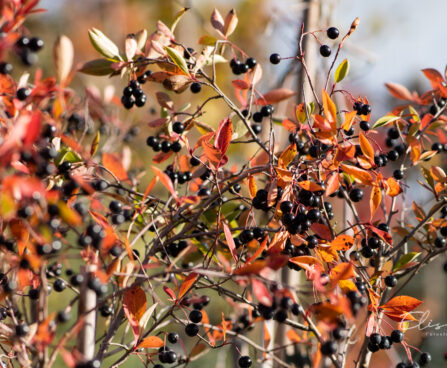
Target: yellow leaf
(287, 156)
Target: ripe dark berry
(365, 110)
(22, 330)
(22, 42)
(286, 206)
(325, 50)
(195, 87)
(424, 359)
(275, 58)
(373, 347)
(364, 125)
(398, 174)
(393, 133)
(195, 316)
(23, 93)
(329, 348)
(385, 343)
(349, 132)
(59, 285)
(165, 146)
(63, 316)
(176, 146)
(356, 195)
(332, 33)
(280, 315)
(173, 337)
(440, 242)
(178, 127)
(151, 141)
(397, 336)
(443, 231)
(244, 361)
(257, 128)
(257, 117)
(191, 329)
(116, 206)
(367, 252)
(127, 102)
(375, 338)
(106, 310)
(339, 333)
(392, 155)
(140, 101)
(436, 147)
(313, 215)
(35, 44)
(390, 281)
(267, 110)
(170, 356)
(251, 62)
(373, 242)
(6, 68)
(246, 236)
(77, 280)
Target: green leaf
(178, 16)
(342, 71)
(178, 60)
(97, 67)
(230, 210)
(207, 40)
(414, 113)
(405, 259)
(66, 154)
(104, 45)
(428, 177)
(385, 120)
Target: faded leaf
(63, 54)
(103, 44)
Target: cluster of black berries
(239, 67)
(120, 214)
(175, 248)
(163, 145)
(358, 298)
(361, 108)
(265, 112)
(423, 361)
(93, 236)
(166, 355)
(27, 49)
(279, 309)
(370, 246)
(433, 109)
(441, 241)
(195, 316)
(247, 235)
(133, 95)
(180, 176)
(260, 200)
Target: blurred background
(394, 41)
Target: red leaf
(32, 129)
(230, 241)
(434, 77)
(166, 180)
(275, 96)
(223, 135)
(151, 342)
(332, 184)
(262, 293)
(240, 84)
(187, 284)
(112, 163)
(398, 91)
(170, 293)
(134, 305)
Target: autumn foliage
(286, 223)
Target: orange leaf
(287, 156)
(252, 268)
(375, 199)
(212, 154)
(401, 304)
(360, 175)
(224, 327)
(293, 336)
(342, 242)
(149, 187)
(327, 254)
(258, 251)
(276, 95)
(310, 186)
(230, 241)
(134, 305)
(112, 163)
(366, 147)
(223, 135)
(330, 111)
(332, 184)
(343, 271)
(434, 77)
(206, 321)
(261, 292)
(166, 180)
(349, 119)
(392, 187)
(187, 284)
(252, 188)
(151, 342)
(267, 336)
